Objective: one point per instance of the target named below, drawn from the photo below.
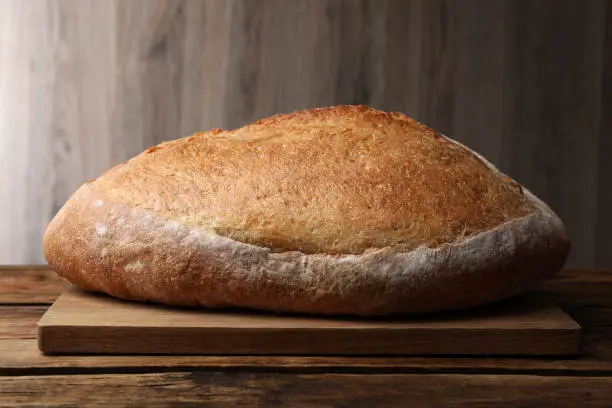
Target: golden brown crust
(343, 210)
(132, 254)
(329, 180)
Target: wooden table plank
(22, 357)
(19, 322)
(19, 354)
(201, 388)
(30, 285)
(589, 287)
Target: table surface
(28, 378)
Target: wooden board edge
(159, 341)
(55, 338)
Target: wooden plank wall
(85, 84)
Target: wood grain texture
(23, 357)
(83, 323)
(585, 294)
(28, 378)
(604, 152)
(88, 84)
(551, 128)
(30, 285)
(304, 390)
(16, 321)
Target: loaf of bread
(341, 210)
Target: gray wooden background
(85, 84)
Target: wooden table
(28, 378)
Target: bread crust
(333, 180)
(106, 241)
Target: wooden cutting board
(81, 323)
